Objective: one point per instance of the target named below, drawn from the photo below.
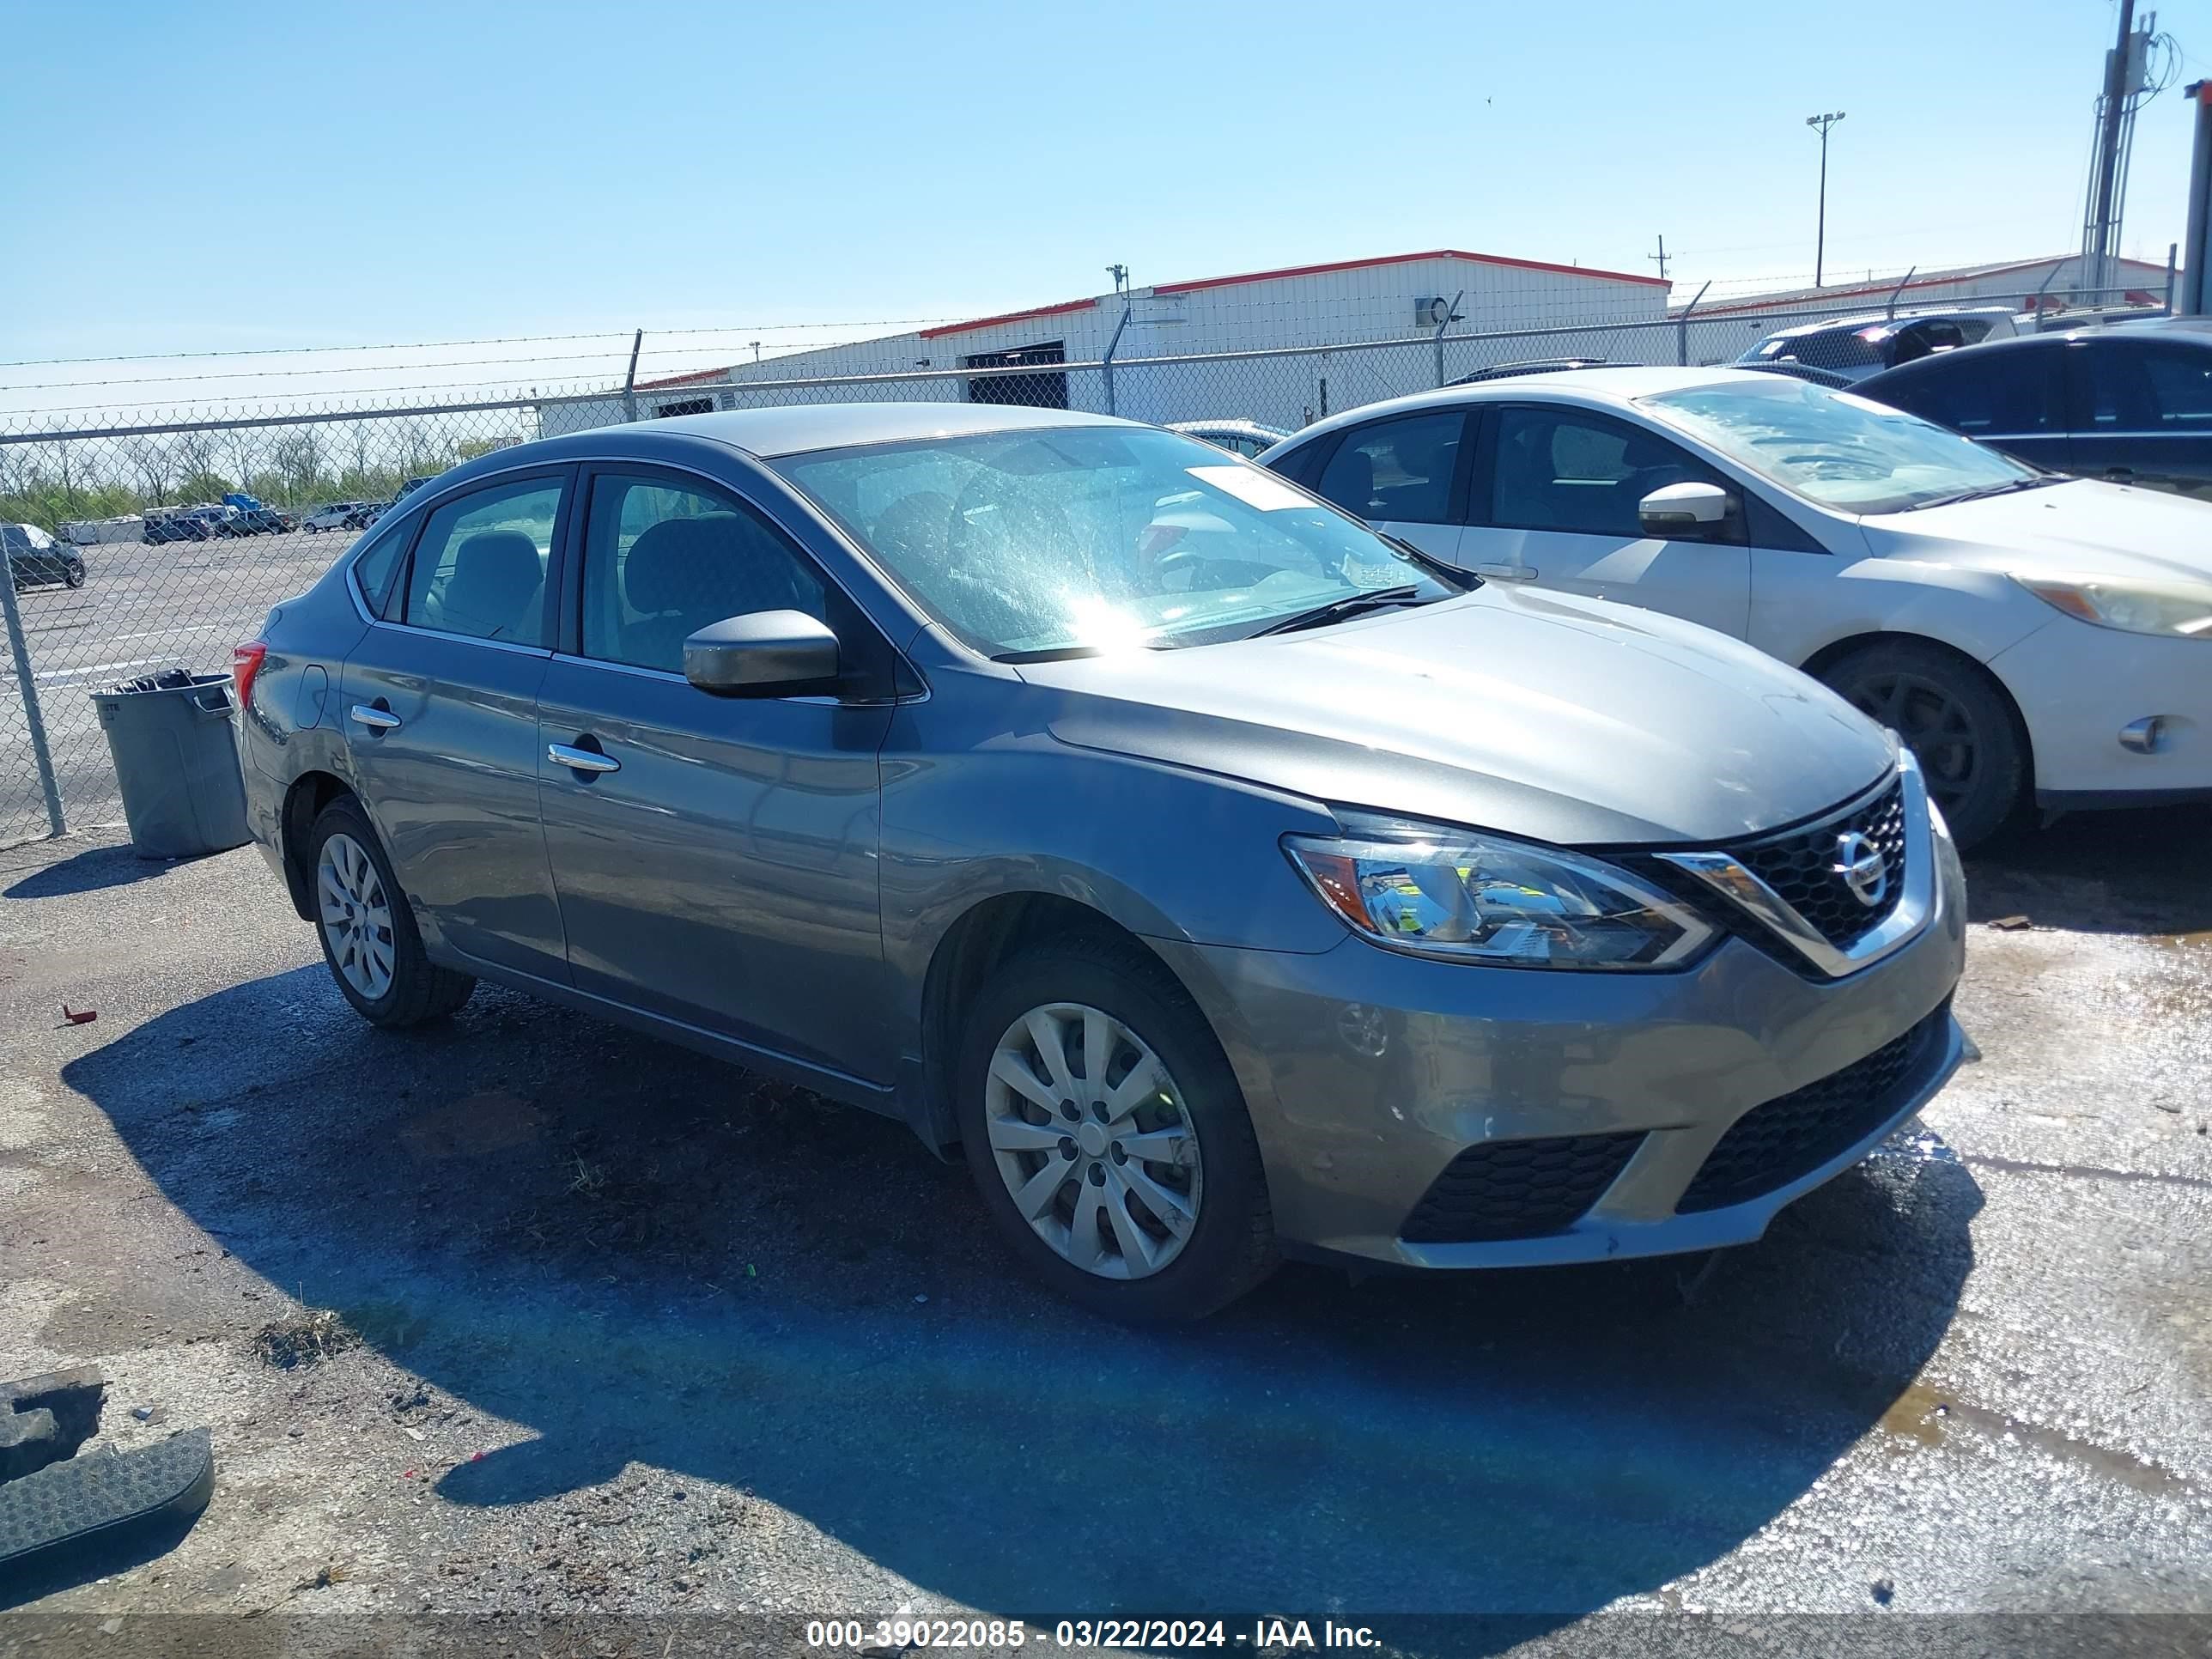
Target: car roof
(1594, 388)
(798, 428)
(1865, 319)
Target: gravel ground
(620, 1332)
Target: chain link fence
(127, 557)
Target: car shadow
(636, 1254)
(2144, 870)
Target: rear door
(1406, 476)
(1554, 502)
(716, 857)
(439, 702)
(2142, 412)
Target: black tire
(1956, 720)
(73, 573)
(1231, 1246)
(420, 991)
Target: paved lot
(641, 1334)
(140, 609)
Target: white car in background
(1245, 437)
(338, 516)
(1854, 348)
(2032, 636)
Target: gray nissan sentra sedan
(1225, 880)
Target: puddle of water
(1926, 1416)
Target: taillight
(244, 664)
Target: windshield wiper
(1984, 491)
(1465, 580)
(1351, 604)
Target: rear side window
(373, 566)
(479, 569)
(2001, 393)
(662, 560)
(1397, 472)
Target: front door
(1554, 503)
(440, 709)
(715, 857)
(2141, 412)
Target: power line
(444, 345)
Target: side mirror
(1685, 512)
(762, 653)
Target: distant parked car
(266, 520)
(173, 523)
(219, 520)
(1245, 437)
(2129, 405)
(34, 557)
(368, 512)
(408, 487)
(1856, 347)
(2034, 638)
(336, 515)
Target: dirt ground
(523, 1316)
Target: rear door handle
(1505, 573)
(2120, 474)
(376, 720)
(582, 760)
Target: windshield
(1052, 542)
(1834, 447)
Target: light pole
(1820, 242)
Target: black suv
(34, 557)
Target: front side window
(1059, 540)
(2180, 388)
(479, 569)
(1564, 471)
(1835, 448)
(663, 560)
(1397, 472)
(2011, 392)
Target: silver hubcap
(356, 916)
(1092, 1139)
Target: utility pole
(1661, 256)
(1821, 239)
(2111, 115)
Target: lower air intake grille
(1517, 1188)
(1791, 1136)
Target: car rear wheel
(73, 573)
(1109, 1137)
(368, 934)
(1952, 719)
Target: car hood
(1549, 716)
(2082, 528)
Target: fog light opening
(2144, 736)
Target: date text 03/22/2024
(1001, 1635)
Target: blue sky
(219, 175)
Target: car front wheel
(1952, 718)
(1106, 1134)
(73, 573)
(368, 934)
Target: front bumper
(1367, 1072)
(2077, 685)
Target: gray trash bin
(176, 758)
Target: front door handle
(2120, 474)
(376, 720)
(1505, 573)
(582, 760)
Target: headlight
(1434, 891)
(2184, 607)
